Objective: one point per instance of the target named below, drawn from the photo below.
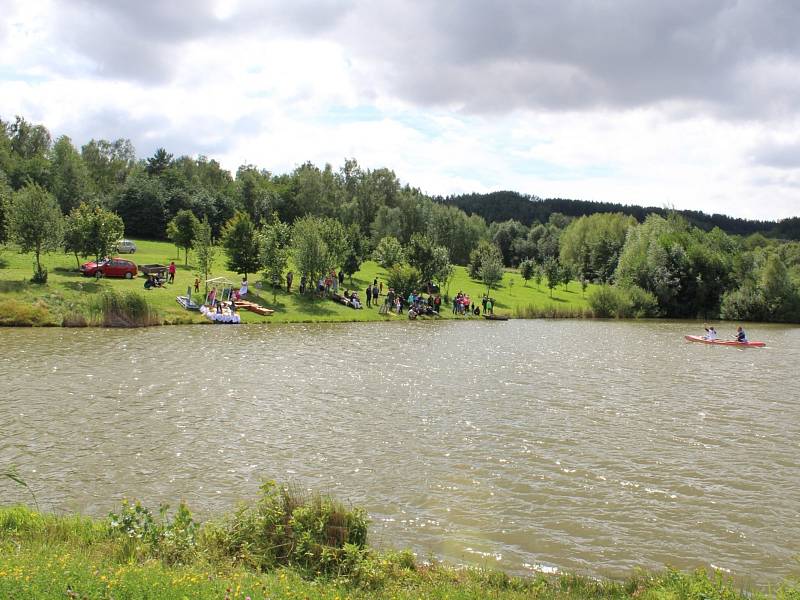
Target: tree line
(55, 196)
(527, 209)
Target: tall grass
(123, 309)
(551, 311)
(15, 313)
(134, 554)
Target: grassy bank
(69, 296)
(281, 546)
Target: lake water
(526, 445)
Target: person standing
(172, 272)
(196, 284)
(302, 284)
(341, 277)
(375, 294)
(289, 280)
(369, 296)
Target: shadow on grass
(15, 286)
(3, 263)
(68, 271)
(89, 286)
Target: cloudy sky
(685, 103)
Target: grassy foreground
(67, 296)
(46, 556)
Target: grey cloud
(138, 41)
(778, 155)
(486, 56)
(504, 55)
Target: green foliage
(552, 271)
(318, 245)
(527, 268)
(182, 231)
(389, 252)
(141, 202)
(92, 231)
(205, 249)
(403, 279)
(275, 249)
(169, 539)
(242, 244)
(491, 271)
(69, 177)
(286, 527)
(591, 245)
(622, 302)
(34, 222)
(123, 309)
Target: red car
(110, 267)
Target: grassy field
(47, 556)
(67, 292)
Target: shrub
(129, 309)
(605, 301)
(285, 527)
(14, 313)
(403, 279)
(622, 302)
(172, 540)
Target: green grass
(68, 297)
(47, 556)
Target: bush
(129, 309)
(286, 527)
(403, 279)
(14, 313)
(173, 541)
(622, 302)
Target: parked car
(126, 247)
(110, 267)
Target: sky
(685, 104)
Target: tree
(182, 231)
(420, 255)
(35, 224)
(141, 204)
(108, 163)
(5, 204)
(389, 252)
(491, 267)
(526, 269)
(242, 244)
(92, 231)
(318, 245)
(355, 253)
(158, 163)
(552, 270)
(205, 250)
(69, 177)
(275, 250)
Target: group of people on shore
(462, 305)
(711, 333)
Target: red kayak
(702, 340)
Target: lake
(590, 446)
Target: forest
(55, 196)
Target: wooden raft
(253, 307)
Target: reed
(551, 311)
(123, 309)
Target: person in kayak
(711, 333)
(740, 335)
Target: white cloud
(459, 105)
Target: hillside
(505, 205)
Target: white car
(126, 246)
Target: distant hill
(502, 206)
